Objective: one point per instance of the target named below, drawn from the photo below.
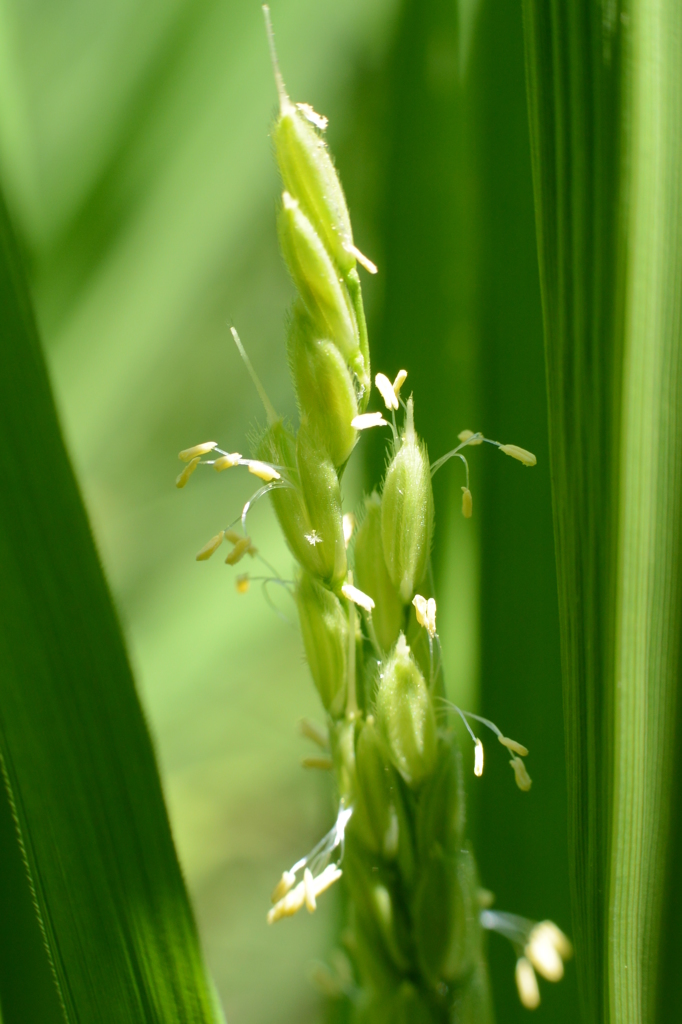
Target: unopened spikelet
(380, 916)
(308, 506)
(440, 814)
(407, 512)
(446, 928)
(317, 281)
(309, 174)
(376, 815)
(405, 716)
(324, 387)
(373, 578)
(320, 486)
(324, 626)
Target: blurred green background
(134, 152)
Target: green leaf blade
(78, 762)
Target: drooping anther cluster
(539, 945)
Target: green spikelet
(309, 174)
(372, 575)
(324, 627)
(407, 512)
(317, 280)
(308, 503)
(326, 396)
(405, 715)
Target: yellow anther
(357, 597)
(309, 890)
(400, 379)
(478, 758)
(211, 547)
(288, 905)
(426, 613)
(516, 748)
(554, 934)
(348, 527)
(183, 477)
(323, 763)
(465, 436)
(368, 419)
(527, 458)
(523, 779)
(283, 886)
(385, 388)
(331, 874)
(198, 450)
(312, 731)
(262, 470)
(527, 984)
(544, 955)
(226, 461)
(467, 503)
(233, 536)
(363, 260)
(238, 551)
(243, 583)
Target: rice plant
(413, 945)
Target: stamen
(547, 949)
(199, 449)
(357, 597)
(211, 547)
(238, 551)
(312, 731)
(478, 759)
(366, 420)
(426, 613)
(370, 267)
(331, 874)
(400, 379)
(183, 477)
(512, 745)
(467, 503)
(554, 934)
(527, 458)
(285, 883)
(309, 890)
(232, 536)
(386, 391)
(227, 461)
(527, 984)
(469, 437)
(262, 470)
(523, 779)
(348, 527)
(318, 875)
(325, 764)
(541, 945)
(545, 958)
(288, 905)
(243, 584)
